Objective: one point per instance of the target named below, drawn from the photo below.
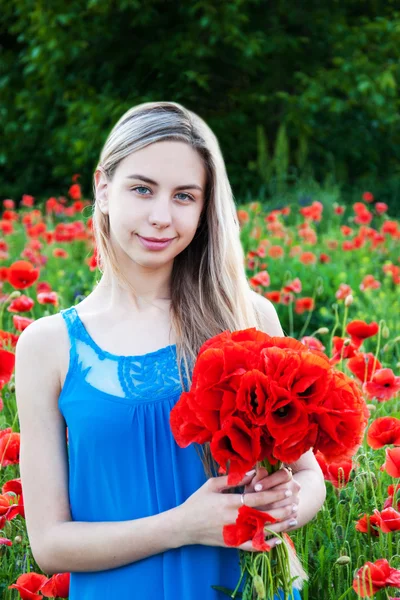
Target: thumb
(221, 483)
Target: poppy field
(332, 272)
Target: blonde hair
(210, 292)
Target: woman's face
(154, 209)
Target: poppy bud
(371, 407)
(346, 342)
(322, 330)
(11, 387)
(18, 539)
(343, 560)
(14, 294)
(385, 332)
(259, 587)
(349, 300)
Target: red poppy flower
(249, 524)
(5, 542)
(238, 444)
(253, 395)
(261, 278)
(22, 274)
(384, 431)
(7, 363)
(342, 348)
(57, 586)
(21, 323)
(360, 330)
(343, 420)
(9, 448)
(274, 296)
(372, 577)
(368, 524)
(363, 365)
(381, 207)
(369, 282)
(21, 304)
(293, 286)
(312, 343)
(383, 385)
(392, 462)
(186, 427)
(343, 291)
(368, 197)
(275, 252)
(308, 258)
(28, 586)
(48, 298)
(303, 304)
(388, 519)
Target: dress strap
(68, 315)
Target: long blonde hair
(210, 292)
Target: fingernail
(258, 487)
(251, 472)
(278, 542)
(293, 522)
(294, 507)
(288, 493)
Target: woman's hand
(284, 510)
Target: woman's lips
(150, 245)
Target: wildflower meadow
(332, 271)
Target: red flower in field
(368, 197)
(293, 286)
(339, 210)
(9, 204)
(28, 586)
(372, 577)
(360, 330)
(57, 586)
(243, 216)
(249, 524)
(48, 298)
(391, 492)
(27, 200)
(342, 347)
(14, 485)
(363, 365)
(274, 296)
(392, 462)
(389, 227)
(5, 542)
(384, 431)
(287, 298)
(346, 230)
(7, 364)
(381, 208)
(239, 445)
(21, 304)
(7, 338)
(275, 252)
(308, 258)
(388, 519)
(338, 473)
(324, 258)
(21, 323)
(369, 281)
(383, 385)
(312, 343)
(9, 447)
(313, 212)
(60, 253)
(368, 524)
(343, 291)
(22, 274)
(363, 218)
(261, 278)
(75, 191)
(303, 304)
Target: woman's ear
(101, 186)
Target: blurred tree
(323, 75)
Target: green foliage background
(292, 90)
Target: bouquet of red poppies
(262, 400)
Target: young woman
(121, 506)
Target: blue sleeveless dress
(125, 464)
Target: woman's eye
(142, 187)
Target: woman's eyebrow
(179, 187)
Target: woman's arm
(58, 543)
